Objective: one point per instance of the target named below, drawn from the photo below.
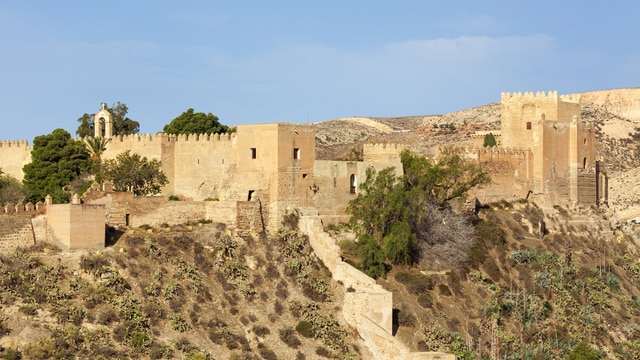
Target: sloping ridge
(622, 102)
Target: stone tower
(103, 123)
(562, 145)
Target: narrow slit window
(352, 184)
(528, 125)
(296, 153)
(254, 153)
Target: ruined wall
(124, 209)
(79, 226)
(249, 217)
(14, 154)
(510, 171)
(382, 152)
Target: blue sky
(300, 61)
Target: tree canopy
(122, 125)
(489, 140)
(131, 172)
(56, 161)
(191, 122)
(11, 190)
(405, 214)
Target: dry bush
(415, 283)
(444, 290)
(289, 337)
(444, 239)
(261, 331)
(266, 353)
(424, 300)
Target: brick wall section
(249, 217)
(15, 231)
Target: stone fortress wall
(14, 155)
(548, 152)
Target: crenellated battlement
(538, 95)
(14, 143)
(506, 96)
(499, 151)
(201, 137)
(22, 208)
(384, 146)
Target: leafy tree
(489, 140)
(407, 214)
(131, 172)
(56, 161)
(190, 122)
(372, 256)
(370, 210)
(11, 190)
(399, 244)
(444, 180)
(122, 125)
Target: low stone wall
(124, 209)
(15, 231)
(367, 306)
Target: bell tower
(103, 123)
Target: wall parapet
(15, 143)
(530, 95)
(29, 208)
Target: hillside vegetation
(194, 292)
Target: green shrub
(305, 328)
(179, 323)
(399, 244)
(173, 198)
(371, 257)
(583, 351)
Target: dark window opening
(352, 184)
(127, 218)
(296, 153)
(584, 163)
(528, 125)
(254, 153)
(304, 176)
(250, 195)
